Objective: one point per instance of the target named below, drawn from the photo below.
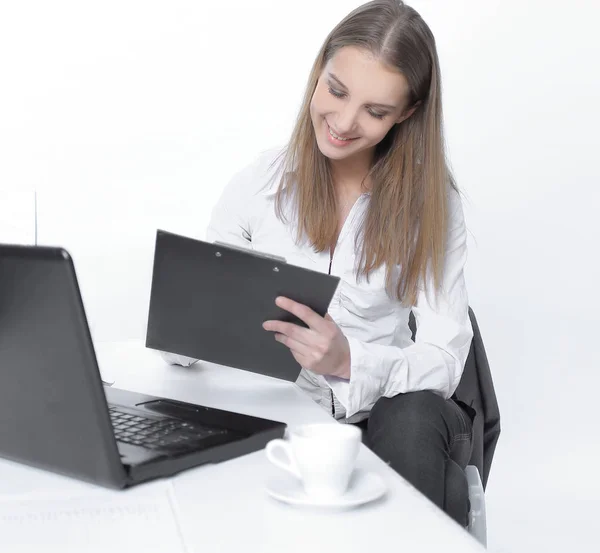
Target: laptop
(55, 412)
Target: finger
(295, 346)
(298, 333)
(303, 312)
(307, 363)
(303, 361)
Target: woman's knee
(413, 417)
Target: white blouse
(384, 359)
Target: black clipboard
(208, 301)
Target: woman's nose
(345, 122)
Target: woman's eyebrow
(342, 85)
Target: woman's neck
(348, 174)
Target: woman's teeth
(338, 137)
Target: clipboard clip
(252, 252)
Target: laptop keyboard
(159, 433)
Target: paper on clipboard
(277, 258)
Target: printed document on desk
(137, 520)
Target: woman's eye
(336, 93)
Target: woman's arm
(436, 360)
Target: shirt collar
(270, 189)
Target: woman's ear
(408, 112)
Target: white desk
(224, 507)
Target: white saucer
(363, 488)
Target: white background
(127, 116)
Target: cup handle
(287, 464)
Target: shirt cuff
(363, 389)
(372, 368)
(340, 387)
(174, 359)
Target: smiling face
(356, 102)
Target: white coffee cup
(321, 456)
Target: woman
(363, 191)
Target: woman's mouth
(336, 139)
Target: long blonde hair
(407, 217)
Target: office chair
(476, 390)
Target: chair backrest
(476, 389)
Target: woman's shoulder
(260, 176)
(454, 200)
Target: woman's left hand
(321, 348)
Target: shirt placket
(337, 409)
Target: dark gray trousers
(428, 441)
